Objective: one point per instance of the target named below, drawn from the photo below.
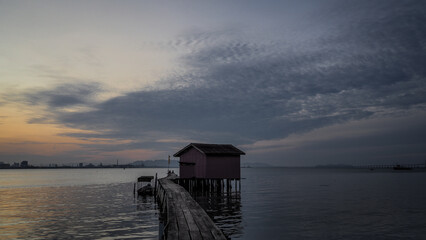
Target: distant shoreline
(84, 167)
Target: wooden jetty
(186, 220)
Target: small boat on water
(146, 190)
(399, 167)
(144, 186)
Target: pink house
(200, 160)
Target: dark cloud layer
(362, 60)
(65, 95)
(396, 140)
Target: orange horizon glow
(48, 139)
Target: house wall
(223, 167)
(198, 170)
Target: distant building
(80, 165)
(200, 160)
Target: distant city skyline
(291, 83)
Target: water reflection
(225, 210)
(91, 211)
(145, 203)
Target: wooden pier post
(155, 185)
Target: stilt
(155, 185)
(222, 185)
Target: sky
(291, 83)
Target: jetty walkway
(186, 220)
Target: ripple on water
(102, 211)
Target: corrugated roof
(212, 149)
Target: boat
(146, 190)
(399, 167)
(144, 186)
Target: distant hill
(156, 163)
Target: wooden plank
(193, 228)
(184, 233)
(204, 230)
(172, 230)
(203, 225)
(190, 220)
(183, 227)
(207, 227)
(186, 219)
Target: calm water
(75, 203)
(291, 203)
(275, 203)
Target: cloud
(380, 140)
(368, 62)
(64, 95)
(51, 102)
(2, 118)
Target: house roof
(211, 149)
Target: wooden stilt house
(200, 160)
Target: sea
(274, 203)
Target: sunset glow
(292, 83)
